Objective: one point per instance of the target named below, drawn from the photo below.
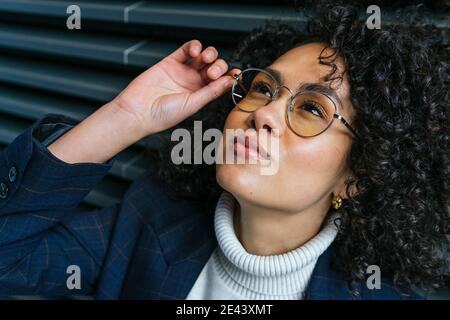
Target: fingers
(211, 91)
(206, 61)
(190, 49)
(214, 71)
(209, 55)
(211, 69)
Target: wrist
(128, 124)
(99, 137)
(128, 110)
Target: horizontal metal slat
(97, 85)
(219, 16)
(123, 50)
(30, 104)
(99, 10)
(236, 17)
(107, 193)
(147, 53)
(129, 164)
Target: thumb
(208, 93)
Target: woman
(361, 190)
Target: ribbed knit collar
(283, 276)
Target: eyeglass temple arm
(341, 118)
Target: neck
(263, 231)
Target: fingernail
(225, 81)
(208, 54)
(215, 71)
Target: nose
(270, 117)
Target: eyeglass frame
(289, 105)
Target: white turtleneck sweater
(233, 273)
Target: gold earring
(336, 202)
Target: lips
(249, 147)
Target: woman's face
(309, 170)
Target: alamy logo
(236, 146)
(74, 20)
(74, 280)
(374, 20)
(374, 280)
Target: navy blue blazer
(152, 245)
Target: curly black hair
(399, 77)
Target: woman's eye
(263, 88)
(312, 108)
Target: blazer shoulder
(329, 283)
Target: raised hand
(176, 87)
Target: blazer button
(3, 190)
(12, 174)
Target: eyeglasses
(310, 111)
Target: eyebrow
(316, 87)
(275, 73)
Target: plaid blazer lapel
(187, 246)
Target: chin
(243, 181)
(247, 185)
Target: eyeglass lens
(309, 113)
